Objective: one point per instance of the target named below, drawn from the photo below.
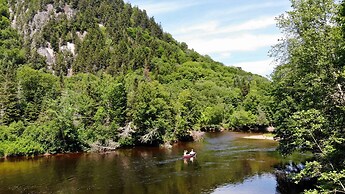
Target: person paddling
(192, 152)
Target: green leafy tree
(307, 90)
(187, 113)
(241, 119)
(36, 88)
(213, 116)
(151, 112)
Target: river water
(225, 163)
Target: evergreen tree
(11, 57)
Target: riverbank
(196, 136)
(260, 137)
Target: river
(225, 163)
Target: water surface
(225, 163)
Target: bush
(21, 147)
(2, 150)
(242, 118)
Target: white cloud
(208, 27)
(225, 55)
(213, 27)
(156, 8)
(245, 9)
(254, 24)
(245, 42)
(263, 67)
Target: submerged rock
(286, 182)
(166, 145)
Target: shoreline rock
(197, 135)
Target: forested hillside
(75, 74)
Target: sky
(234, 32)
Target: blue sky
(235, 32)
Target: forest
(123, 82)
(77, 74)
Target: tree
(187, 113)
(151, 112)
(94, 55)
(12, 56)
(307, 87)
(36, 87)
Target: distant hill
(81, 74)
(89, 36)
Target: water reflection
(224, 160)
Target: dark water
(226, 163)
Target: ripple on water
(258, 184)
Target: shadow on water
(225, 163)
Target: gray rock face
(70, 47)
(47, 52)
(31, 29)
(70, 13)
(80, 35)
(38, 22)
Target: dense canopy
(309, 101)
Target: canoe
(189, 155)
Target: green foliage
(187, 111)
(11, 57)
(18, 140)
(150, 112)
(308, 90)
(93, 57)
(241, 118)
(114, 77)
(305, 127)
(36, 87)
(212, 115)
